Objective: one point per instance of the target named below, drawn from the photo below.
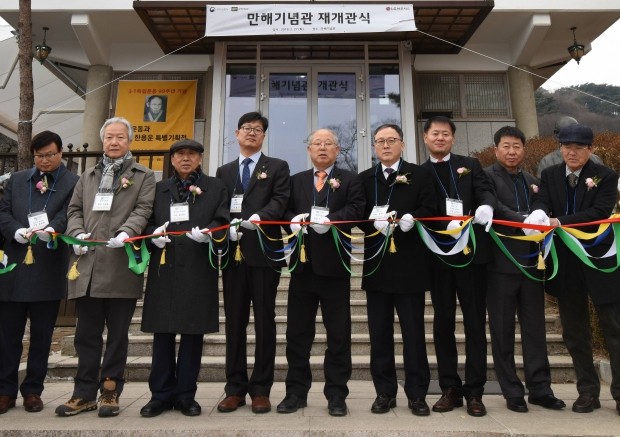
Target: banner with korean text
(161, 112)
(307, 18)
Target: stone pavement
(310, 421)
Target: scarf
(111, 167)
(183, 185)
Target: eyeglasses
(389, 141)
(256, 130)
(318, 143)
(46, 156)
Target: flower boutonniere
(534, 188)
(195, 190)
(41, 186)
(333, 183)
(125, 183)
(402, 178)
(592, 182)
(462, 171)
(261, 174)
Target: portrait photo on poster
(155, 108)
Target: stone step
(215, 345)
(359, 324)
(213, 368)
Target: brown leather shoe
(230, 403)
(475, 407)
(6, 402)
(261, 405)
(33, 403)
(450, 399)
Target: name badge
(318, 212)
(378, 212)
(454, 207)
(38, 220)
(235, 203)
(179, 212)
(103, 201)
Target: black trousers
(13, 317)
(410, 309)
(469, 285)
(306, 292)
(94, 314)
(245, 285)
(577, 335)
(509, 295)
(174, 378)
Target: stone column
(523, 103)
(97, 104)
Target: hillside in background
(591, 111)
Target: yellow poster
(161, 112)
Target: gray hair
(331, 132)
(120, 120)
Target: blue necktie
(245, 176)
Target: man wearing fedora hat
(581, 191)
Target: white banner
(307, 18)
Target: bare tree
(26, 92)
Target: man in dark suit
(258, 188)
(581, 191)
(396, 278)
(461, 188)
(510, 292)
(322, 194)
(35, 201)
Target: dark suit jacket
(474, 189)
(266, 197)
(46, 278)
(345, 203)
(407, 270)
(506, 209)
(590, 204)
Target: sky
(601, 65)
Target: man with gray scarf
(112, 201)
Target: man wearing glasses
(35, 203)
(258, 189)
(325, 193)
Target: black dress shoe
(547, 401)
(291, 403)
(336, 406)
(188, 407)
(586, 403)
(517, 405)
(383, 403)
(154, 408)
(618, 406)
(475, 407)
(419, 407)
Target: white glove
(21, 235)
(233, 231)
(536, 217)
(299, 218)
(383, 225)
(453, 225)
(163, 240)
(484, 216)
(320, 227)
(198, 235)
(248, 223)
(406, 223)
(81, 250)
(117, 242)
(45, 235)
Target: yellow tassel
(73, 272)
(467, 250)
(1, 254)
(29, 257)
(302, 254)
(238, 256)
(392, 245)
(541, 262)
(162, 260)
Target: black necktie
(572, 179)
